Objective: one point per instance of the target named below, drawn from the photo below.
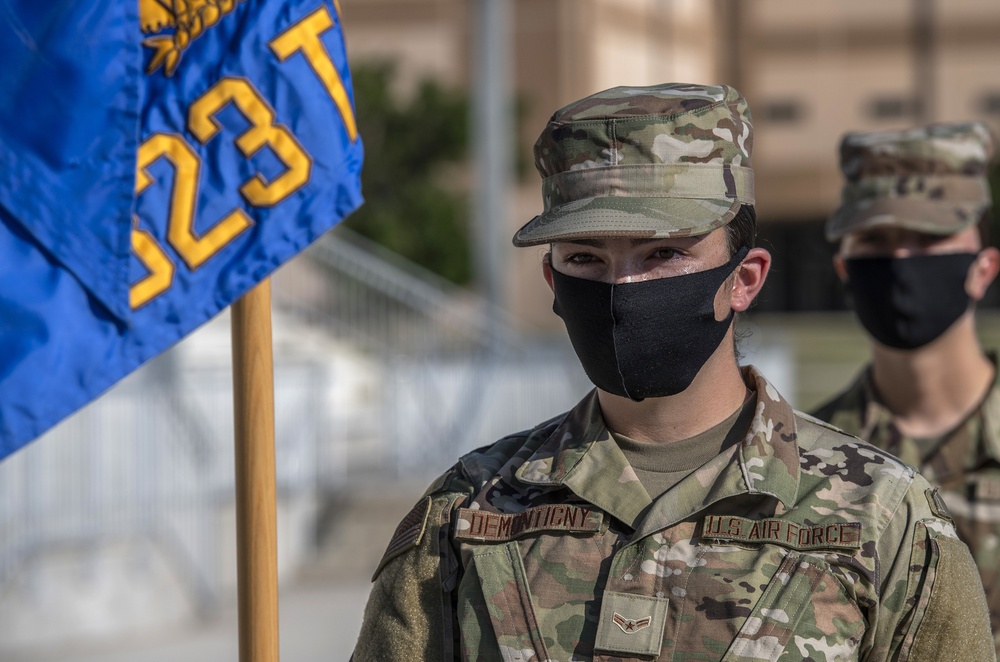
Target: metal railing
(396, 375)
(373, 298)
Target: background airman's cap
(662, 161)
(930, 179)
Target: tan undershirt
(661, 466)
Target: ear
(982, 272)
(750, 277)
(839, 267)
(547, 270)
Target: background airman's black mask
(907, 302)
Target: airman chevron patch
(631, 625)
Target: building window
(782, 112)
(890, 108)
(989, 103)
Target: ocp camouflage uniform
(612, 161)
(932, 180)
(964, 462)
(798, 543)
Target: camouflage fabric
(930, 179)
(660, 161)
(799, 543)
(965, 463)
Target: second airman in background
(914, 255)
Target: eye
(665, 253)
(869, 242)
(580, 258)
(928, 240)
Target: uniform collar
(769, 455)
(581, 455)
(877, 419)
(875, 415)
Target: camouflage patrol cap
(930, 179)
(662, 161)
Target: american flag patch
(408, 534)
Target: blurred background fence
(122, 517)
(384, 375)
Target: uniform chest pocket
(508, 607)
(803, 614)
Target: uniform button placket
(624, 573)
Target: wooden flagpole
(256, 505)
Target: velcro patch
(408, 534)
(631, 625)
(937, 505)
(728, 528)
(987, 488)
(479, 525)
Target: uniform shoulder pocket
(430, 515)
(950, 617)
(408, 615)
(408, 534)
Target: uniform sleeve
(408, 616)
(955, 621)
(932, 607)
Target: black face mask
(907, 302)
(647, 339)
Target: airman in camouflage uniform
(934, 401)
(794, 541)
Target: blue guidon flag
(158, 158)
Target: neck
(716, 392)
(931, 389)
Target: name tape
(727, 528)
(482, 526)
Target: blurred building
(811, 71)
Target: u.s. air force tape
(728, 528)
(479, 525)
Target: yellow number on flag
(298, 164)
(161, 269)
(193, 249)
(304, 36)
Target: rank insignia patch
(631, 625)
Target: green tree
(413, 150)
